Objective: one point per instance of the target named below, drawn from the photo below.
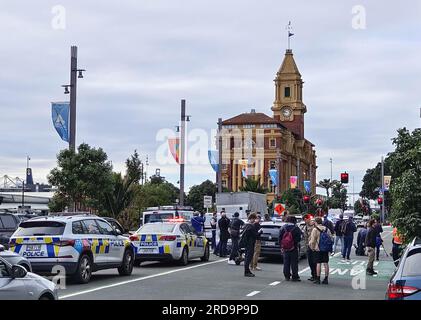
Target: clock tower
(288, 107)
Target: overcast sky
(142, 57)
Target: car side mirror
(18, 272)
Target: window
(40, 228)
(272, 143)
(411, 267)
(105, 228)
(287, 92)
(272, 164)
(185, 228)
(158, 217)
(248, 126)
(7, 221)
(268, 126)
(91, 226)
(4, 272)
(157, 228)
(77, 228)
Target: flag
(307, 186)
(293, 181)
(289, 28)
(213, 156)
(386, 182)
(273, 173)
(60, 117)
(174, 145)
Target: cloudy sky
(362, 82)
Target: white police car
(79, 243)
(174, 240)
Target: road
(218, 280)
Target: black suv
(8, 225)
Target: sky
(360, 61)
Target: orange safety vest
(396, 236)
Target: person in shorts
(321, 257)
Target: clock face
(287, 112)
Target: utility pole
(73, 84)
(219, 173)
(23, 194)
(383, 193)
(331, 169)
(182, 151)
(278, 168)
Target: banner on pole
(174, 145)
(213, 156)
(273, 173)
(60, 117)
(386, 182)
(293, 182)
(307, 186)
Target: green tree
(339, 196)
(293, 199)
(253, 185)
(362, 209)
(81, 178)
(197, 192)
(155, 193)
(327, 185)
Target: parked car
(270, 239)
(16, 283)
(14, 258)
(117, 226)
(405, 283)
(8, 225)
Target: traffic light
(344, 177)
(380, 200)
(306, 199)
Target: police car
(79, 243)
(174, 240)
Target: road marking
(304, 270)
(138, 279)
(275, 283)
(253, 293)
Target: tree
(293, 199)
(81, 178)
(325, 184)
(362, 208)
(197, 192)
(154, 193)
(339, 195)
(253, 185)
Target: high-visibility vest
(397, 239)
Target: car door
(113, 246)
(11, 289)
(195, 249)
(188, 237)
(94, 236)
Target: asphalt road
(218, 280)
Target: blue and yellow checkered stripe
(52, 249)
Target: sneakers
(249, 274)
(231, 262)
(325, 281)
(296, 279)
(332, 254)
(371, 272)
(257, 269)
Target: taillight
(65, 243)
(167, 238)
(134, 237)
(396, 291)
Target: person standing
(362, 235)
(213, 223)
(328, 224)
(235, 227)
(339, 236)
(348, 230)
(321, 242)
(397, 241)
(371, 246)
(289, 238)
(310, 253)
(198, 221)
(248, 241)
(258, 245)
(379, 240)
(224, 235)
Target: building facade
(254, 143)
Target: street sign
(207, 202)
(279, 208)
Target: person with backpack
(371, 245)
(339, 236)
(321, 242)
(235, 226)
(289, 239)
(224, 234)
(348, 229)
(248, 241)
(308, 219)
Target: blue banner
(273, 173)
(307, 186)
(60, 116)
(213, 159)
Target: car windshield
(157, 228)
(412, 266)
(40, 228)
(157, 217)
(7, 222)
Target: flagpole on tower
(290, 34)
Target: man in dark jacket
(379, 240)
(362, 235)
(198, 221)
(248, 241)
(348, 230)
(339, 236)
(370, 242)
(235, 227)
(224, 235)
(290, 250)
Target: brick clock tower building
(254, 143)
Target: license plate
(33, 247)
(269, 243)
(148, 250)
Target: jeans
(223, 247)
(371, 253)
(311, 262)
(234, 249)
(249, 258)
(257, 248)
(346, 248)
(213, 240)
(378, 251)
(291, 264)
(337, 239)
(396, 252)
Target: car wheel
(206, 255)
(127, 265)
(46, 297)
(184, 260)
(84, 269)
(26, 267)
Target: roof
(250, 118)
(288, 65)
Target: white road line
(275, 283)
(138, 279)
(253, 293)
(304, 270)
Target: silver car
(18, 284)
(14, 258)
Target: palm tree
(253, 185)
(326, 184)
